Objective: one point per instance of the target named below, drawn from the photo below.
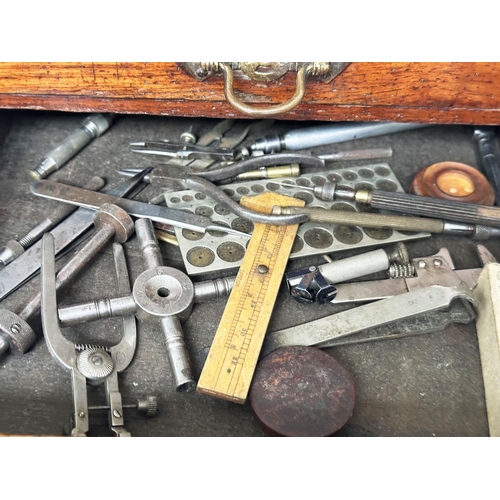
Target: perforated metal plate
(213, 251)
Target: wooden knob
(453, 181)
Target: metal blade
(93, 200)
(320, 332)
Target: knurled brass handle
(300, 89)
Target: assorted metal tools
(73, 227)
(111, 222)
(90, 199)
(225, 210)
(432, 285)
(93, 126)
(14, 248)
(218, 251)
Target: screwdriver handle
(93, 126)
(433, 207)
(485, 138)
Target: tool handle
(322, 135)
(92, 127)
(432, 207)
(489, 159)
(343, 217)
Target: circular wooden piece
(450, 180)
(301, 391)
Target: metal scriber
(74, 226)
(88, 364)
(89, 199)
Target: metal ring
(271, 110)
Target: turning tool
(233, 356)
(89, 199)
(437, 269)
(93, 126)
(88, 364)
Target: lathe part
(487, 295)
(343, 217)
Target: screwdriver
(322, 135)
(411, 204)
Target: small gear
(94, 363)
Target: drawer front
(425, 92)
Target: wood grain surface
(457, 93)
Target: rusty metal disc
(230, 251)
(301, 391)
(450, 180)
(200, 256)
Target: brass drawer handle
(240, 106)
(265, 72)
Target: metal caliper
(88, 364)
(424, 285)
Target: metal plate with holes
(213, 251)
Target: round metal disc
(230, 251)
(350, 235)
(243, 225)
(301, 391)
(378, 233)
(200, 256)
(318, 238)
(298, 245)
(191, 235)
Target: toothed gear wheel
(94, 363)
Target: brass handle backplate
(264, 72)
